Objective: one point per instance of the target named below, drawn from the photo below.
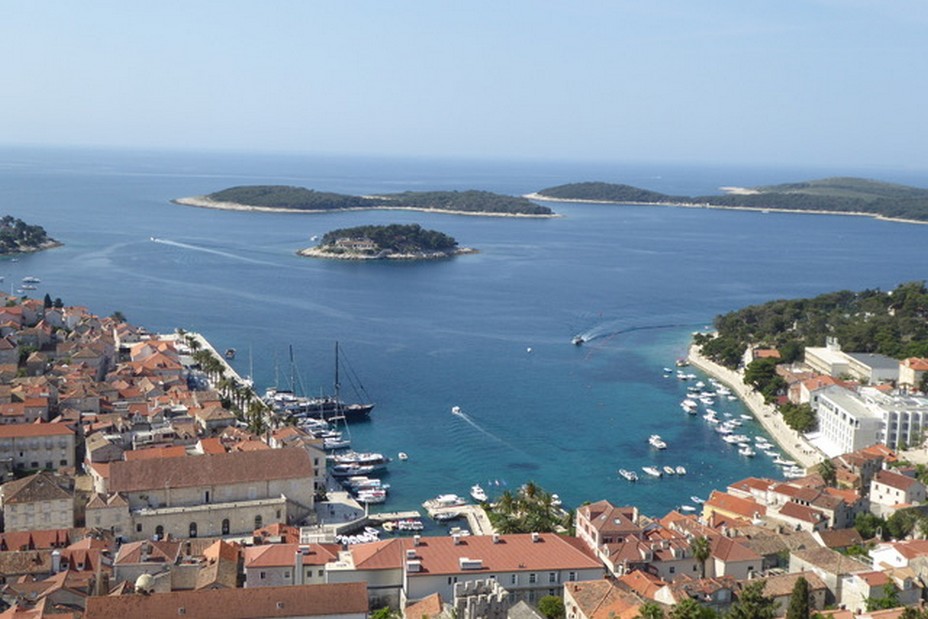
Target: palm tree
(506, 503)
(829, 473)
(701, 548)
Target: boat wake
(211, 251)
(457, 412)
(610, 329)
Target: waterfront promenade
(795, 444)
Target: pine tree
(799, 601)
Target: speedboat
(680, 470)
(687, 508)
(656, 442)
(629, 475)
(577, 340)
(402, 455)
(455, 410)
(697, 500)
(670, 470)
(31, 280)
(478, 493)
(747, 451)
(652, 470)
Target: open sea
(489, 332)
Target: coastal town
(143, 477)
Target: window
(532, 578)
(552, 577)
(193, 529)
(263, 575)
(225, 526)
(571, 576)
(138, 527)
(259, 521)
(673, 569)
(287, 574)
(515, 579)
(159, 532)
(207, 497)
(321, 572)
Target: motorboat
(29, 279)
(445, 500)
(402, 455)
(656, 442)
(669, 470)
(629, 475)
(697, 500)
(409, 524)
(687, 508)
(747, 451)
(681, 470)
(478, 493)
(455, 410)
(372, 497)
(577, 340)
(652, 470)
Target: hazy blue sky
(833, 82)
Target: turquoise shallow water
(424, 337)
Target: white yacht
(478, 493)
(629, 475)
(652, 470)
(680, 470)
(656, 442)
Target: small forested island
(300, 199)
(892, 323)
(17, 237)
(392, 242)
(839, 195)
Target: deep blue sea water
(424, 337)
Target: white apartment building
(849, 421)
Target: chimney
(416, 539)
(496, 538)
(535, 536)
(298, 567)
(56, 561)
(456, 539)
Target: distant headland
(18, 237)
(283, 198)
(838, 196)
(392, 242)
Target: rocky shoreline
(319, 252)
(204, 202)
(543, 198)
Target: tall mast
(337, 385)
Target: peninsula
(18, 237)
(838, 195)
(282, 198)
(392, 242)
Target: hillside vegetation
(17, 236)
(398, 238)
(300, 198)
(838, 195)
(893, 323)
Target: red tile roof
(745, 508)
(21, 430)
(281, 555)
(303, 600)
(895, 480)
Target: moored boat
(478, 493)
(669, 470)
(652, 470)
(656, 442)
(681, 470)
(629, 475)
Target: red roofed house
(40, 501)
(728, 507)
(275, 565)
(912, 372)
(857, 588)
(38, 445)
(333, 601)
(529, 566)
(212, 495)
(600, 524)
(599, 599)
(890, 490)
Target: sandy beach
(790, 441)
(204, 202)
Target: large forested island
(841, 195)
(300, 199)
(392, 242)
(17, 237)
(892, 323)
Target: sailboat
(328, 407)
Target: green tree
(551, 606)
(118, 316)
(753, 604)
(702, 548)
(868, 525)
(650, 610)
(385, 613)
(47, 301)
(800, 600)
(829, 473)
(889, 599)
(691, 609)
(901, 523)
